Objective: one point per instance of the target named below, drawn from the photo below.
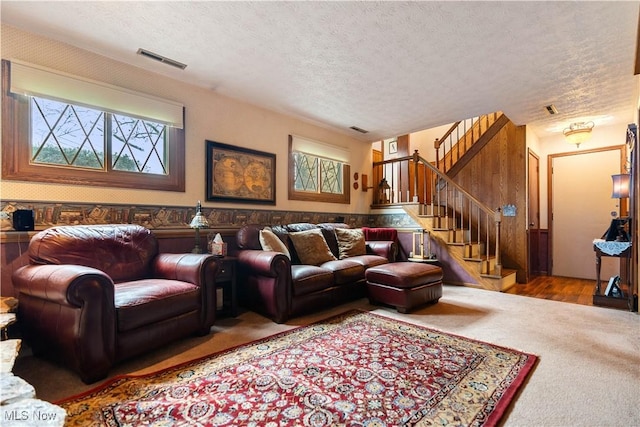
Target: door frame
(550, 157)
(533, 225)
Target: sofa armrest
(264, 263)
(68, 311)
(199, 269)
(62, 284)
(383, 248)
(265, 283)
(191, 268)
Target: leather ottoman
(405, 285)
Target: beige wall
(208, 116)
(603, 136)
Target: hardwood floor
(565, 289)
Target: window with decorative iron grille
(316, 178)
(56, 140)
(75, 136)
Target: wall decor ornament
(237, 174)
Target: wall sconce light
(199, 221)
(621, 186)
(578, 132)
(365, 183)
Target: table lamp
(199, 221)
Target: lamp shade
(577, 133)
(199, 221)
(621, 184)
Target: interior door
(534, 215)
(581, 209)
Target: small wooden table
(618, 250)
(226, 285)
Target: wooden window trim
(16, 154)
(318, 197)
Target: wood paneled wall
(497, 177)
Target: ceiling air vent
(357, 129)
(161, 58)
(551, 109)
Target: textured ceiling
(387, 67)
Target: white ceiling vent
(357, 129)
(161, 58)
(551, 109)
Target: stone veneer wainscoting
(48, 214)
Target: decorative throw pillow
(350, 242)
(270, 242)
(311, 247)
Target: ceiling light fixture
(578, 132)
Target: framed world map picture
(237, 174)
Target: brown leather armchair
(95, 295)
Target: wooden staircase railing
(460, 139)
(414, 180)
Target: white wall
(423, 141)
(208, 116)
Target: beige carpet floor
(588, 373)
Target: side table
(226, 298)
(619, 250)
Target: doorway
(581, 209)
(537, 250)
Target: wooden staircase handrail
(452, 183)
(450, 149)
(438, 142)
(466, 210)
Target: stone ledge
(18, 403)
(8, 353)
(13, 389)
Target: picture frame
(393, 146)
(238, 174)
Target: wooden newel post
(498, 220)
(416, 159)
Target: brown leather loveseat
(95, 295)
(281, 286)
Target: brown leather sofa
(95, 295)
(279, 288)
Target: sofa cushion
(345, 271)
(350, 242)
(328, 231)
(311, 247)
(270, 242)
(369, 260)
(122, 251)
(147, 301)
(310, 278)
(248, 237)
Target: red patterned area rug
(355, 369)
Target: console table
(618, 250)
